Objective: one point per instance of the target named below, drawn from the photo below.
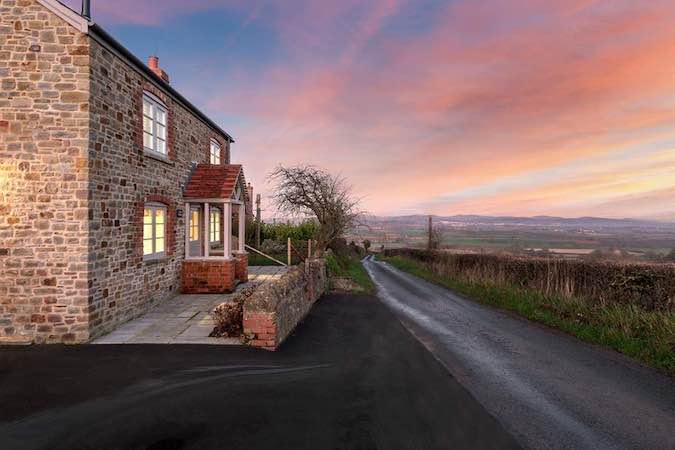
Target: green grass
(648, 336)
(255, 259)
(350, 268)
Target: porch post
(242, 228)
(227, 244)
(207, 237)
(187, 215)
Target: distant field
(563, 242)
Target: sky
(499, 107)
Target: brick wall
(272, 312)
(210, 276)
(122, 179)
(241, 266)
(44, 127)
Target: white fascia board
(67, 14)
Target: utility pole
(431, 231)
(257, 221)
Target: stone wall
(123, 178)
(272, 312)
(44, 129)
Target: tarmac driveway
(351, 377)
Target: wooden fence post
(289, 251)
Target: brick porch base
(208, 276)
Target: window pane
(159, 245)
(147, 107)
(147, 140)
(147, 124)
(147, 246)
(147, 231)
(159, 230)
(161, 132)
(194, 225)
(161, 116)
(161, 146)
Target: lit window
(214, 226)
(194, 225)
(215, 152)
(154, 124)
(154, 231)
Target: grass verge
(352, 268)
(648, 336)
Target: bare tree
(435, 238)
(310, 191)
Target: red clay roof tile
(213, 181)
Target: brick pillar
(262, 326)
(241, 266)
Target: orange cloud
(419, 104)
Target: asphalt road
(351, 377)
(549, 389)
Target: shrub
(271, 246)
(650, 286)
(229, 320)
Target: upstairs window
(154, 231)
(154, 124)
(215, 152)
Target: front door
(196, 231)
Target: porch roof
(215, 181)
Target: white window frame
(156, 106)
(215, 152)
(214, 225)
(154, 207)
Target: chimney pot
(153, 64)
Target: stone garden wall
(272, 311)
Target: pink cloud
(483, 92)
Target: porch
(184, 319)
(215, 205)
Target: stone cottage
(115, 191)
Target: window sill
(155, 261)
(157, 156)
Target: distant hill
(542, 221)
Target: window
(214, 225)
(154, 124)
(154, 227)
(215, 152)
(194, 224)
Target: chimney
(86, 9)
(153, 63)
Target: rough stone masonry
(74, 179)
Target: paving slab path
(185, 318)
